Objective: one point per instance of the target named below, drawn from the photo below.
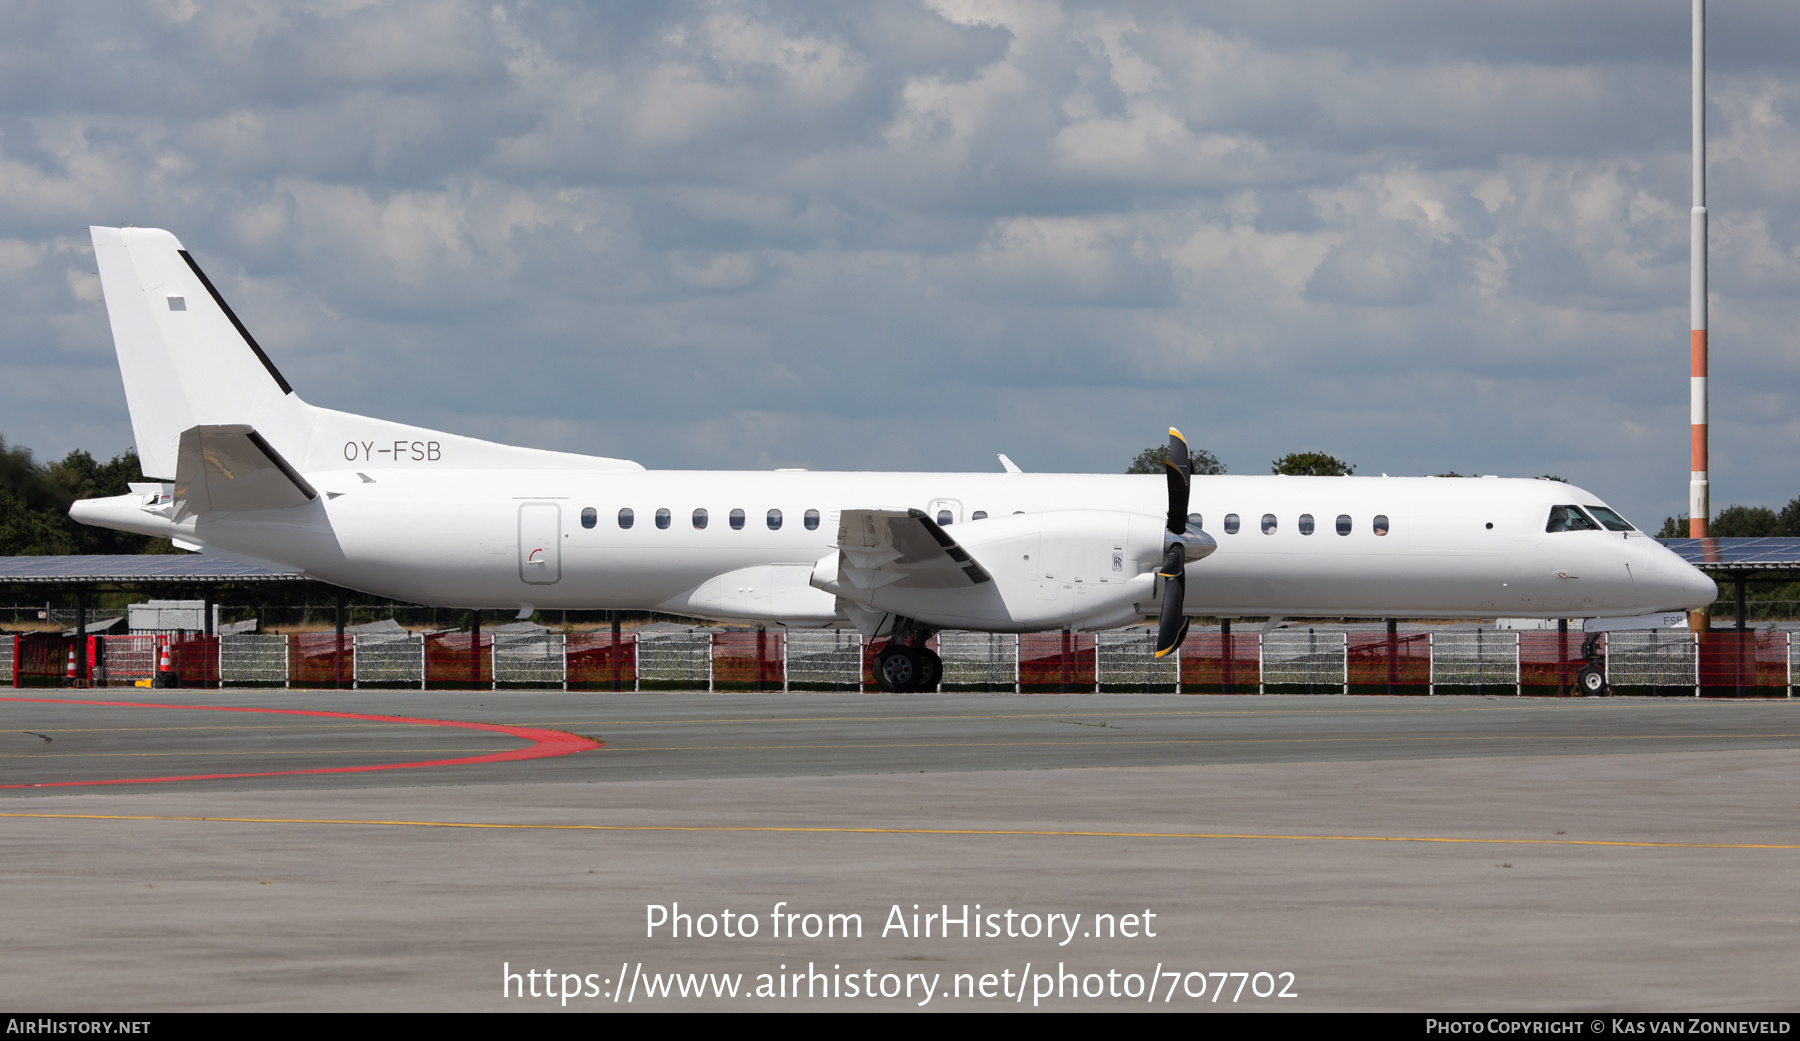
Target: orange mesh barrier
(1733, 662)
(1206, 668)
(195, 660)
(41, 659)
(747, 660)
(321, 660)
(456, 661)
(1550, 659)
(1053, 662)
(1370, 665)
(595, 662)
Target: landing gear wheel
(931, 670)
(1590, 681)
(897, 669)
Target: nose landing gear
(1591, 680)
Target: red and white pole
(1699, 487)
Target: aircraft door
(540, 543)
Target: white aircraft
(249, 469)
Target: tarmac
(350, 850)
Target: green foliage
(1311, 464)
(35, 499)
(1154, 460)
(1552, 477)
(1744, 522)
(1741, 522)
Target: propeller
(1172, 626)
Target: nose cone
(1697, 590)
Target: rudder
(185, 358)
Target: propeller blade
(1172, 626)
(1181, 473)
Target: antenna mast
(1699, 490)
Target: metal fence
(674, 661)
(1652, 659)
(529, 660)
(1125, 659)
(1719, 664)
(1483, 658)
(247, 659)
(825, 659)
(979, 661)
(388, 659)
(1311, 659)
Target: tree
(1311, 464)
(1674, 528)
(35, 499)
(1744, 522)
(1553, 477)
(1155, 460)
(1790, 519)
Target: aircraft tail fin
(192, 370)
(186, 359)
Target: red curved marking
(544, 743)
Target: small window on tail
(177, 303)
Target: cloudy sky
(909, 235)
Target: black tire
(896, 669)
(1590, 681)
(931, 670)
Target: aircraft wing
(902, 547)
(232, 468)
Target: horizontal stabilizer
(231, 468)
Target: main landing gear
(907, 666)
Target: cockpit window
(1569, 518)
(1613, 521)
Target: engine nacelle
(1074, 568)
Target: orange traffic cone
(165, 673)
(69, 671)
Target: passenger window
(1231, 524)
(1569, 518)
(737, 520)
(662, 518)
(1196, 522)
(1306, 524)
(1268, 524)
(1381, 524)
(590, 517)
(774, 520)
(699, 518)
(1343, 524)
(1613, 521)
(626, 517)
(978, 515)
(944, 518)
(812, 520)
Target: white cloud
(791, 233)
